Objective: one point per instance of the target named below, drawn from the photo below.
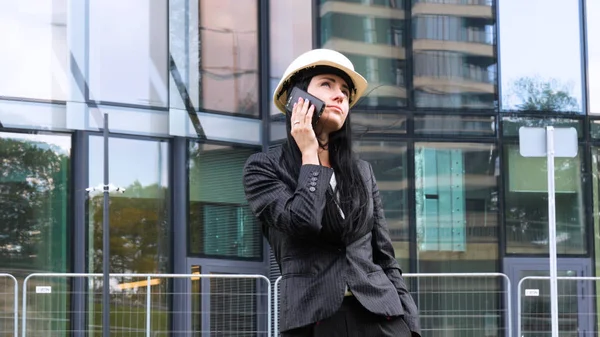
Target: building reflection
(453, 60)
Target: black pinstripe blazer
(314, 272)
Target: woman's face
(334, 91)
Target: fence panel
(143, 305)
(9, 304)
(462, 304)
(577, 306)
(454, 304)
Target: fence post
(508, 306)
(16, 302)
(148, 307)
(269, 311)
(276, 308)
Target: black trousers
(353, 320)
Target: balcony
(361, 10)
(365, 49)
(468, 48)
(451, 9)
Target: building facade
(187, 87)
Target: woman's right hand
(303, 132)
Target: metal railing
(141, 304)
(450, 304)
(453, 304)
(578, 306)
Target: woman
(320, 210)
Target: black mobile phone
(297, 93)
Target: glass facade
(375, 44)
(526, 204)
(138, 69)
(454, 54)
(592, 9)
(35, 56)
(456, 201)
(220, 223)
(35, 189)
(139, 217)
(534, 82)
(389, 162)
(187, 86)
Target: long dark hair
(352, 196)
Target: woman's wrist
(310, 159)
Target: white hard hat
(319, 57)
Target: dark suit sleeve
(384, 255)
(296, 212)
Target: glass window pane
(454, 54)
(368, 122)
(128, 51)
(526, 204)
(139, 224)
(229, 56)
(456, 207)
(511, 125)
(33, 61)
(17, 114)
(373, 38)
(220, 222)
(456, 199)
(214, 50)
(593, 49)
(139, 220)
(34, 222)
(455, 125)
(388, 160)
(129, 120)
(34, 194)
(595, 129)
(540, 59)
(290, 35)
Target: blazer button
(312, 183)
(312, 189)
(316, 174)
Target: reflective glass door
(574, 297)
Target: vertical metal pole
(105, 242)
(552, 229)
(148, 306)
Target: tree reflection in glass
(538, 94)
(34, 194)
(139, 232)
(33, 199)
(526, 204)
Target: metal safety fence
(9, 305)
(578, 304)
(144, 305)
(453, 304)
